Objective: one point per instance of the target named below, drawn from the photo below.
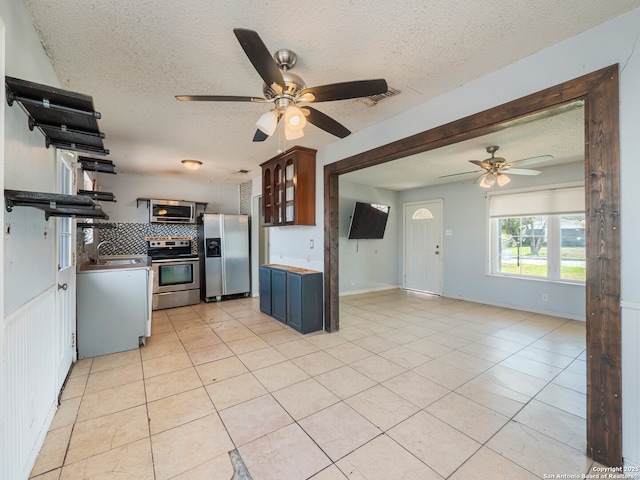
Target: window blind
(539, 202)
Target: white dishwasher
(114, 310)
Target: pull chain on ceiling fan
(285, 89)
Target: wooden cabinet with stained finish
(289, 188)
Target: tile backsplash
(129, 238)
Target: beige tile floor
(412, 386)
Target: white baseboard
(631, 469)
(518, 307)
(369, 290)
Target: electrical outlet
(545, 297)
(353, 282)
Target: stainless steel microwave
(172, 211)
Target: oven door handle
(174, 260)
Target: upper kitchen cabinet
(289, 188)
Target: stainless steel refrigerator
(224, 242)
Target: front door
(423, 246)
(65, 330)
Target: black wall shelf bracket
(67, 119)
(45, 103)
(97, 165)
(54, 204)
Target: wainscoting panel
(631, 387)
(28, 394)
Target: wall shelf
(147, 200)
(98, 195)
(54, 204)
(99, 165)
(67, 119)
(96, 225)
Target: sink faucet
(98, 249)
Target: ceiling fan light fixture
(294, 118)
(502, 179)
(268, 122)
(488, 181)
(291, 134)
(191, 164)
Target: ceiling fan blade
(522, 171)
(346, 90)
(533, 160)
(220, 98)
(480, 163)
(260, 57)
(260, 136)
(325, 122)
(462, 173)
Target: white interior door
(66, 276)
(423, 246)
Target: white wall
(464, 252)
(368, 265)
(2, 327)
(28, 250)
(128, 187)
(610, 43)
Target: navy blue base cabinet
(279, 294)
(293, 296)
(265, 289)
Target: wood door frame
(600, 92)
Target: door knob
(62, 287)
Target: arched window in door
(422, 214)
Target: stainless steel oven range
(176, 279)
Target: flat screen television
(368, 221)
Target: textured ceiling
(558, 133)
(134, 56)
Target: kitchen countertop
(115, 262)
(300, 270)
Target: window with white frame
(539, 234)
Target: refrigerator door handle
(223, 255)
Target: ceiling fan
(285, 89)
(494, 168)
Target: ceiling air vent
(374, 99)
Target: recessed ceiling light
(192, 164)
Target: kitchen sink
(110, 262)
(130, 261)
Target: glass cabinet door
(278, 193)
(267, 196)
(289, 171)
